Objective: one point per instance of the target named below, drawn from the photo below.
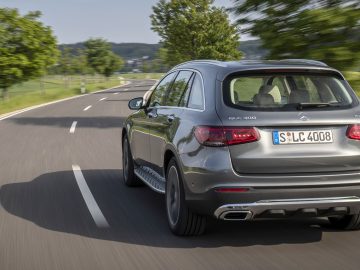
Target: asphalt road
(51, 218)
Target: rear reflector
(353, 132)
(231, 190)
(221, 136)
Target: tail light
(222, 136)
(353, 132)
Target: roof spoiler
(306, 61)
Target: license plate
(302, 137)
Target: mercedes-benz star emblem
(303, 117)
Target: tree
(101, 58)
(65, 64)
(71, 63)
(80, 64)
(194, 29)
(325, 30)
(27, 48)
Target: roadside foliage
(27, 48)
(192, 30)
(101, 58)
(325, 30)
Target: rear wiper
(302, 106)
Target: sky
(115, 20)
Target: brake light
(353, 132)
(222, 136)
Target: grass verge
(49, 89)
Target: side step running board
(151, 178)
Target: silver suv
(248, 140)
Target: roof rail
(204, 61)
(307, 61)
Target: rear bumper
(291, 207)
(295, 194)
(278, 202)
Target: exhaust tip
(236, 215)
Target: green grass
(51, 88)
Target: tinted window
(287, 91)
(244, 88)
(178, 88)
(196, 99)
(157, 97)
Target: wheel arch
(123, 133)
(168, 155)
(170, 152)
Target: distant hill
(251, 49)
(135, 50)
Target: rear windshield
(287, 92)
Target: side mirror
(136, 103)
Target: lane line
(89, 199)
(102, 99)
(73, 127)
(88, 107)
(116, 93)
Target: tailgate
(308, 149)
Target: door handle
(152, 114)
(170, 118)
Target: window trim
(177, 107)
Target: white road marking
(73, 127)
(102, 99)
(88, 107)
(116, 93)
(126, 89)
(89, 199)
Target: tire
(182, 221)
(348, 222)
(129, 177)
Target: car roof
(224, 68)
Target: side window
(157, 97)
(196, 98)
(178, 88)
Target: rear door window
(179, 87)
(194, 96)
